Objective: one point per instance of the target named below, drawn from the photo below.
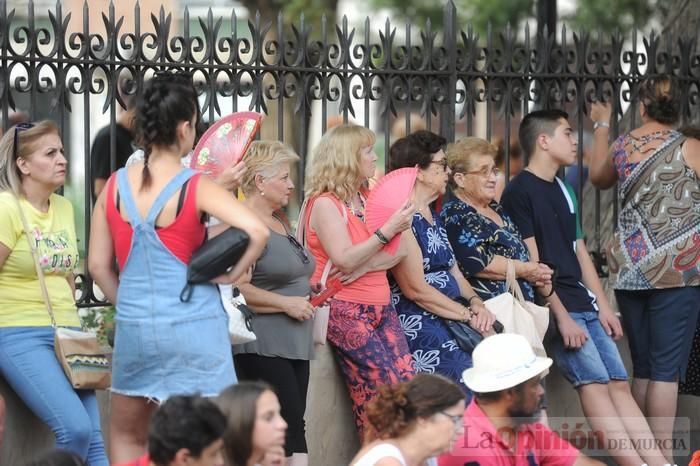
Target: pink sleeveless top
(373, 287)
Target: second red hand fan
(225, 142)
(391, 193)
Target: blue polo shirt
(547, 211)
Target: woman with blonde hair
(363, 328)
(32, 167)
(278, 291)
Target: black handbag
(215, 257)
(466, 337)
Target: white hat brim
(487, 382)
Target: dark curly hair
(661, 97)
(397, 407)
(415, 149)
(58, 457)
(166, 100)
(190, 422)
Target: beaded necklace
(359, 213)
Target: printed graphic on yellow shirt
(55, 252)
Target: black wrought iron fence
(307, 76)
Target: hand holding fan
(389, 195)
(225, 142)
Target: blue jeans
(597, 361)
(28, 363)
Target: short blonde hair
(460, 154)
(265, 158)
(334, 166)
(10, 176)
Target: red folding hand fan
(225, 142)
(391, 193)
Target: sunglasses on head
(18, 129)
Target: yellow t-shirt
(21, 301)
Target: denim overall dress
(165, 347)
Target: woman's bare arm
(101, 257)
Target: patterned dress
(476, 240)
(432, 346)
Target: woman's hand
(273, 457)
(399, 220)
(534, 272)
(230, 179)
(601, 111)
(299, 308)
(482, 319)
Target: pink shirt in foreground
(537, 445)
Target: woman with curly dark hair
(150, 217)
(427, 285)
(413, 421)
(656, 248)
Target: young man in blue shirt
(545, 211)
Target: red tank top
(182, 237)
(371, 288)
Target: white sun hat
(503, 361)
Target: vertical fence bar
(280, 77)
(84, 67)
(447, 114)
(235, 74)
(33, 77)
(323, 76)
(5, 85)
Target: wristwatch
(600, 124)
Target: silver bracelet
(600, 124)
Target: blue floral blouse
(476, 239)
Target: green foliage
(99, 320)
(313, 11)
(75, 194)
(608, 16)
(498, 12)
(590, 14)
(477, 12)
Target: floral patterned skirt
(433, 347)
(371, 350)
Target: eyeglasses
(19, 128)
(457, 419)
(299, 249)
(441, 162)
(485, 172)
